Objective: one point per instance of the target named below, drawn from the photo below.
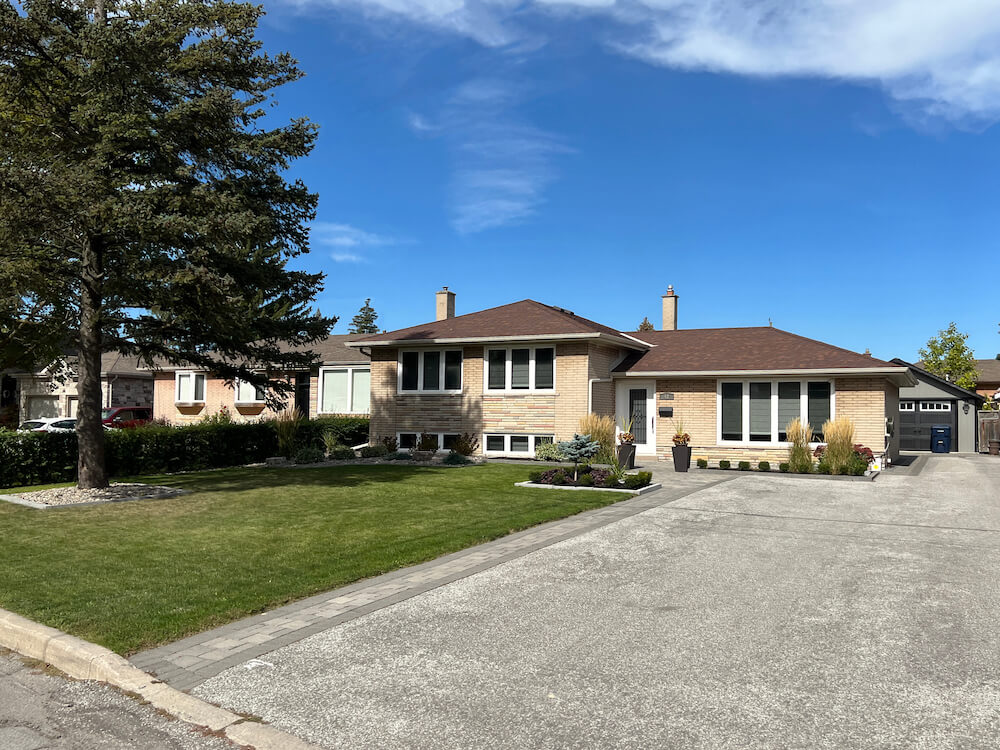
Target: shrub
(744, 465)
(535, 476)
(554, 476)
(348, 431)
(373, 451)
(601, 429)
(222, 416)
(466, 444)
(309, 456)
(390, 443)
(724, 464)
(839, 436)
(342, 453)
(549, 452)
(636, 481)
(856, 465)
(702, 463)
(587, 480)
(646, 477)
(427, 442)
(823, 467)
(800, 460)
(764, 466)
(601, 478)
(399, 456)
(783, 467)
(454, 458)
(286, 424)
(579, 449)
(330, 441)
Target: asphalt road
(766, 612)
(40, 711)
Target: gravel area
(117, 492)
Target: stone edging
(88, 661)
(640, 491)
(45, 506)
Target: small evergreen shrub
(454, 458)
(374, 451)
(585, 480)
(535, 476)
(636, 481)
(342, 453)
(744, 465)
(390, 443)
(783, 467)
(399, 456)
(466, 444)
(764, 466)
(427, 442)
(724, 464)
(702, 463)
(309, 456)
(549, 452)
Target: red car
(126, 416)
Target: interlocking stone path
(190, 661)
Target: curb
(88, 661)
(638, 491)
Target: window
(515, 445)
(448, 441)
(248, 393)
(190, 387)
(760, 411)
(407, 440)
(935, 406)
(430, 371)
(520, 369)
(442, 440)
(344, 390)
(907, 406)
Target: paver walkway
(190, 661)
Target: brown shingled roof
(734, 349)
(989, 370)
(525, 318)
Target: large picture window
(520, 369)
(430, 371)
(759, 411)
(344, 390)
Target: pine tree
(364, 321)
(143, 203)
(948, 356)
(645, 325)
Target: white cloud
(347, 240)
(941, 56)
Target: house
(52, 390)
(523, 374)
(933, 401)
(337, 384)
(988, 381)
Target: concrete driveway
(765, 612)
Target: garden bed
(116, 492)
(868, 477)
(640, 491)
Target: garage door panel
(915, 427)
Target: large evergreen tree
(143, 200)
(364, 321)
(948, 356)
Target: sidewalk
(188, 662)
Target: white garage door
(42, 406)
(73, 403)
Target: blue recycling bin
(941, 438)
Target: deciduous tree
(948, 356)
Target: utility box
(941, 438)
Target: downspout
(590, 392)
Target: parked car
(49, 424)
(126, 416)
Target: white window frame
(420, 372)
(907, 405)
(237, 384)
(320, 388)
(935, 406)
(177, 386)
(507, 452)
(773, 442)
(509, 367)
(418, 433)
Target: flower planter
(626, 455)
(682, 457)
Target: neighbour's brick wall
(115, 391)
(602, 359)
(217, 395)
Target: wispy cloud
(938, 57)
(502, 164)
(347, 241)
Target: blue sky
(828, 165)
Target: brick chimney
(670, 309)
(445, 304)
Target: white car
(49, 424)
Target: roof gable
(938, 382)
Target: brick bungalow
(336, 385)
(525, 373)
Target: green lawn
(136, 574)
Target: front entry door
(637, 400)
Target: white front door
(636, 400)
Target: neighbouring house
(337, 384)
(52, 390)
(933, 400)
(988, 382)
(523, 374)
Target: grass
(137, 574)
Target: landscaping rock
(117, 492)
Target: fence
(989, 429)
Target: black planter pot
(682, 457)
(626, 455)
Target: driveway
(765, 612)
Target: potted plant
(681, 449)
(626, 444)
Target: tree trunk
(89, 430)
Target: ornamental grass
(800, 460)
(839, 436)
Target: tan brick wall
(862, 400)
(602, 359)
(694, 405)
(572, 380)
(217, 395)
(531, 413)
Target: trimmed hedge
(28, 458)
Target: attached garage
(935, 401)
